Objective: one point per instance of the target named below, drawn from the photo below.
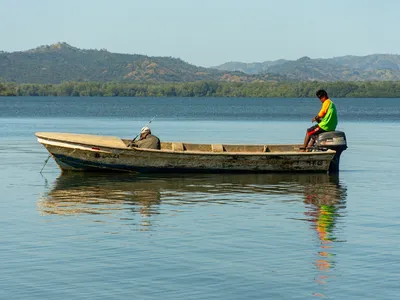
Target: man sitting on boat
(147, 140)
(326, 119)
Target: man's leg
(310, 131)
(306, 140)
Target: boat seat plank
(217, 148)
(177, 146)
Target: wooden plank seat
(176, 146)
(217, 148)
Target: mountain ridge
(380, 67)
(61, 62)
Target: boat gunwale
(73, 145)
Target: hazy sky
(206, 32)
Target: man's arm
(322, 112)
(316, 119)
(139, 143)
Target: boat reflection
(144, 197)
(94, 193)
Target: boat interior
(190, 147)
(115, 142)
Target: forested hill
(376, 67)
(61, 62)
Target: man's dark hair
(321, 93)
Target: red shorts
(314, 130)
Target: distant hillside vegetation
(250, 68)
(61, 62)
(377, 67)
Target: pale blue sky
(206, 32)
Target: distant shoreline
(370, 89)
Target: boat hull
(79, 157)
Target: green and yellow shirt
(328, 115)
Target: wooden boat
(84, 152)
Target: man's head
(145, 131)
(322, 95)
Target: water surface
(265, 236)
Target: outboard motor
(334, 140)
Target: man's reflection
(325, 200)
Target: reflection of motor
(331, 140)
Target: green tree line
(375, 89)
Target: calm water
(104, 236)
